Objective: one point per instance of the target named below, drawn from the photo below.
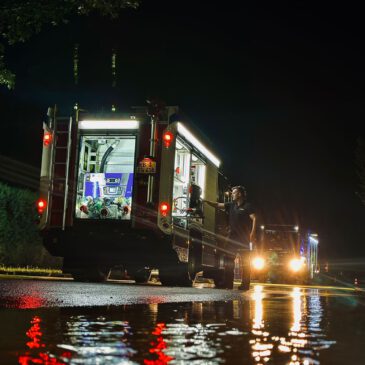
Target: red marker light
(41, 205)
(168, 136)
(164, 209)
(84, 209)
(167, 139)
(47, 138)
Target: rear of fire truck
(284, 254)
(126, 191)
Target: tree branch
(19, 20)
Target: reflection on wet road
(35, 294)
(286, 325)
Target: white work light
(108, 124)
(196, 143)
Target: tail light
(168, 137)
(84, 209)
(41, 205)
(164, 209)
(47, 138)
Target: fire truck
(126, 190)
(285, 254)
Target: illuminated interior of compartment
(181, 179)
(198, 173)
(105, 177)
(188, 169)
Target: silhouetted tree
(20, 242)
(20, 19)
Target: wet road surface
(70, 323)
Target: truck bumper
(107, 244)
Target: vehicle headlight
(258, 263)
(296, 264)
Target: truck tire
(175, 275)
(142, 276)
(223, 279)
(91, 274)
(85, 271)
(195, 255)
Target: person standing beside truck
(242, 226)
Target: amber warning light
(164, 209)
(47, 138)
(167, 139)
(41, 206)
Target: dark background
(277, 87)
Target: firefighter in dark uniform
(242, 225)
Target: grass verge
(28, 270)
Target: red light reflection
(29, 302)
(158, 347)
(35, 334)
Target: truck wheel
(195, 255)
(90, 274)
(84, 271)
(223, 279)
(175, 275)
(142, 276)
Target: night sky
(279, 90)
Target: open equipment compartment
(105, 177)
